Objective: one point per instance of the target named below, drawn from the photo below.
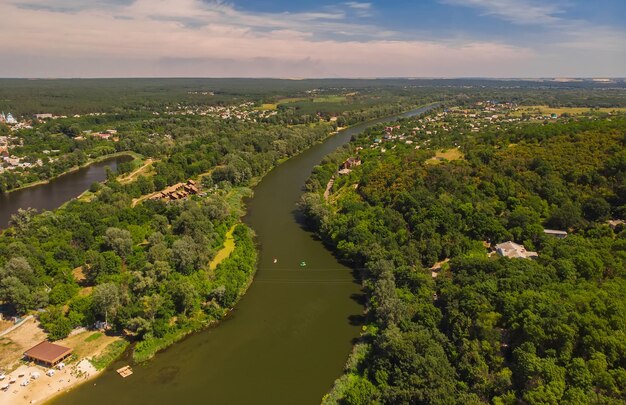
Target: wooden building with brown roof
(48, 353)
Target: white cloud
(515, 11)
(361, 9)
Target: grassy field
(143, 169)
(229, 247)
(89, 344)
(291, 100)
(330, 99)
(546, 110)
(448, 155)
(15, 343)
(267, 106)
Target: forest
(449, 322)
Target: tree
(106, 300)
(22, 219)
(119, 240)
(360, 391)
(151, 305)
(596, 209)
(185, 255)
(15, 292)
(100, 265)
(20, 268)
(388, 308)
(56, 323)
(185, 296)
(566, 216)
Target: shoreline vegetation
(242, 258)
(90, 162)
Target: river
(52, 195)
(287, 339)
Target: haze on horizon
(279, 38)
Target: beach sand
(45, 387)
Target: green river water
(288, 338)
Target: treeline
(24, 97)
(485, 329)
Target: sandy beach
(86, 345)
(45, 387)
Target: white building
(514, 251)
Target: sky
(310, 39)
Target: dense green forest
(447, 322)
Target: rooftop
(47, 352)
(514, 251)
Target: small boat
(303, 264)
(275, 261)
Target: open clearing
(267, 106)
(142, 170)
(88, 344)
(546, 110)
(330, 99)
(321, 99)
(16, 342)
(446, 155)
(229, 247)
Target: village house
(514, 251)
(350, 163)
(178, 191)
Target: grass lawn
(330, 99)
(89, 344)
(144, 169)
(449, 155)
(290, 100)
(229, 247)
(266, 107)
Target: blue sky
(279, 38)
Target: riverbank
(46, 387)
(73, 169)
(242, 258)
